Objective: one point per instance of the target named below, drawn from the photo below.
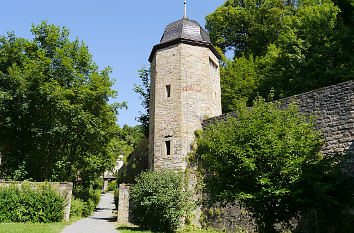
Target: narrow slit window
(168, 147)
(168, 91)
(213, 64)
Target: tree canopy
(126, 140)
(54, 117)
(286, 46)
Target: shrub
(116, 197)
(112, 186)
(82, 208)
(95, 196)
(77, 207)
(89, 196)
(30, 204)
(159, 200)
(89, 208)
(268, 158)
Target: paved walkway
(101, 221)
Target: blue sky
(119, 34)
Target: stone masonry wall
(333, 108)
(192, 74)
(137, 163)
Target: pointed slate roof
(184, 31)
(185, 28)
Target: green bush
(89, 196)
(112, 186)
(89, 208)
(269, 158)
(159, 200)
(116, 197)
(77, 207)
(31, 204)
(82, 208)
(95, 196)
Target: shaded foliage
(326, 192)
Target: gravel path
(101, 221)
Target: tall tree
(239, 81)
(54, 117)
(128, 138)
(286, 46)
(144, 91)
(311, 52)
(247, 27)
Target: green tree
(239, 81)
(286, 46)
(247, 27)
(127, 139)
(144, 91)
(258, 158)
(313, 51)
(54, 116)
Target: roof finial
(185, 10)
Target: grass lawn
(56, 227)
(132, 229)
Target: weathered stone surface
(333, 108)
(192, 72)
(137, 162)
(229, 217)
(123, 204)
(63, 188)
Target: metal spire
(185, 10)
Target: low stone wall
(137, 162)
(63, 188)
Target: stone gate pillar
(123, 204)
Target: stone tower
(185, 89)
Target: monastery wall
(333, 108)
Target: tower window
(168, 147)
(168, 91)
